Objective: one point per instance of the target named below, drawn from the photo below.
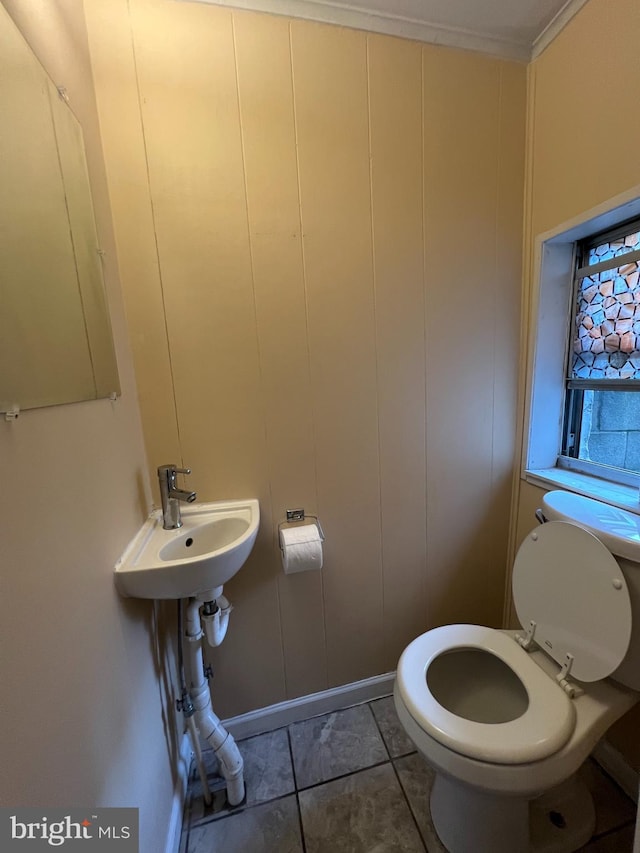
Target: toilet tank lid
(617, 529)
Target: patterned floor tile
(360, 813)
(367, 810)
(269, 828)
(397, 741)
(416, 778)
(335, 744)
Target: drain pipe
(185, 705)
(215, 616)
(207, 796)
(208, 724)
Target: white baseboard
(617, 767)
(294, 710)
(179, 795)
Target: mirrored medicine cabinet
(55, 336)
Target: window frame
(575, 388)
(547, 316)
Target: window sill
(625, 497)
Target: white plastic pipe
(215, 626)
(202, 773)
(209, 725)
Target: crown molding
(555, 26)
(355, 17)
(386, 23)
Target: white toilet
(505, 718)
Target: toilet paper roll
(301, 548)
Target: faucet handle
(172, 469)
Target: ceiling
(516, 29)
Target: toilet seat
(541, 730)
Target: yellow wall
(582, 150)
(87, 712)
(319, 238)
(318, 234)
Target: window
(602, 400)
(582, 414)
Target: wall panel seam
(375, 324)
(424, 337)
(307, 337)
(525, 311)
(265, 430)
(496, 216)
(155, 231)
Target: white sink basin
(213, 543)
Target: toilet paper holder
(294, 515)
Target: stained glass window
(606, 339)
(613, 248)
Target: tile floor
(349, 782)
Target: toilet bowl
(506, 718)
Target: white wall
(86, 712)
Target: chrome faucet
(171, 495)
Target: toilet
(506, 718)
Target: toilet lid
(569, 584)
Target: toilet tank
(619, 532)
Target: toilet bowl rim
(543, 728)
(511, 780)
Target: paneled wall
(319, 236)
(87, 705)
(581, 153)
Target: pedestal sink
(213, 543)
